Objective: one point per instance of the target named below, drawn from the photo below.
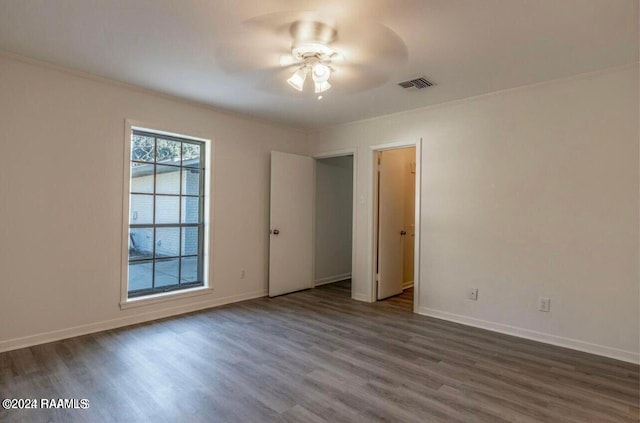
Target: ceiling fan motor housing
(306, 51)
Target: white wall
(334, 217)
(525, 193)
(61, 179)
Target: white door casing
(291, 223)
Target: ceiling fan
(311, 53)
(349, 54)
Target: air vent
(418, 83)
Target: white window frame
(207, 288)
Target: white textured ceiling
(187, 47)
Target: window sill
(164, 297)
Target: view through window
(166, 208)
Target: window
(166, 214)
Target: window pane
(190, 155)
(191, 181)
(140, 275)
(167, 272)
(168, 151)
(167, 242)
(166, 191)
(142, 148)
(167, 180)
(167, 209)
(140, 243)
(190, 241)
(189, 271)
(142, 178)
(190, 209)
(141, 209)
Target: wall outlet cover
(472, 294)
(544, 304)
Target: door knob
(275, 231)
(403, 232)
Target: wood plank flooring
(316, 356)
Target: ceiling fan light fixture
(297, 79)
(321, 87)
(311, 50)
(321, 72)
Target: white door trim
(374, 210)
(354, 221)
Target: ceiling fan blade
(371, 43)
(337, 57)
(288, 60)
(353, 78)
(248, 53)
(283, 22)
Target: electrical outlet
(472, 294)
(544, 304)
(242, 273)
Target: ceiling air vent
(418, 83)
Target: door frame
(374, 210)
(327, 155)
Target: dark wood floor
(316, 356)
(404, 300)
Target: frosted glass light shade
(321, 72)
(322, 86)
(297, 79)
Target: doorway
(333, 240)
(292, 221)
(395, 225)
(292, 227)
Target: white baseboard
(360, 297)
(56, 335)
(407, 285)
(575, 344)
(332, 279)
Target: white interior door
(291, 223)
(390, 222)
